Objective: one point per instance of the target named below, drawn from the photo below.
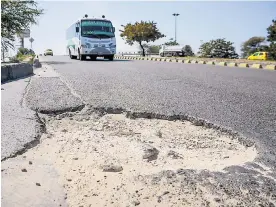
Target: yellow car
(258, 56)
(48, 52)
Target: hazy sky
(235, 21)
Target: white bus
(91, 37)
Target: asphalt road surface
(241, 99)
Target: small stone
(75, 158)
(64, 130)
(150, 152)
(166, 192)
(159, 134)
(69, 180)
(226, 157)
(174, 155)
(159, 199)
(146, 197)
(24, 170)
(37, 184)
(30, 162)
(136, 203)
(112, 168)
(217, 199)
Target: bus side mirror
(77, 29)
(113, 29)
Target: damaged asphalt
(241, 101)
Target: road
(240, 99)
(232, 171)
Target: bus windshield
(96, 28)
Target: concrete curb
(232, 64)
(194, 61)
(258, 66)
(211, 63)
(15, 70)
(270, 67)
(243, 65)
(222, 64)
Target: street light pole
(175, 15)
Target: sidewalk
(26, 182)
(19, 126)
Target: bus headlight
(111, 45)
(86, 46)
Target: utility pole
(175, 15)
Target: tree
(271, 38)
(140, 32)
(171, 43)
(254, 44)
(188, 50)
(219, 48)
(24, 51)
(16, 16)
(151, 48)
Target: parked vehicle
(91, 37)
(171, 51)
(259, 56)
(48, 52)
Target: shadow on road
(105, 60)
(55, 62)
(16, 79)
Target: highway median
(239, 63)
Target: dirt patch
(116, 161)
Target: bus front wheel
(111, 57)
(81, 57)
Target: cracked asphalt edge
(85, 108)
(41, 128)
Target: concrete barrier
(15, 70)
(211, 63)
(270, 67)
(194, 61)
(202, 62)
(187, 61)
(168, 60)
(232, 64)
(174, 60)
(37, 64)
(180, 61)
(258, 66)
(222, 64)
(243, 65)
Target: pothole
(179, 144)
(102, 160)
